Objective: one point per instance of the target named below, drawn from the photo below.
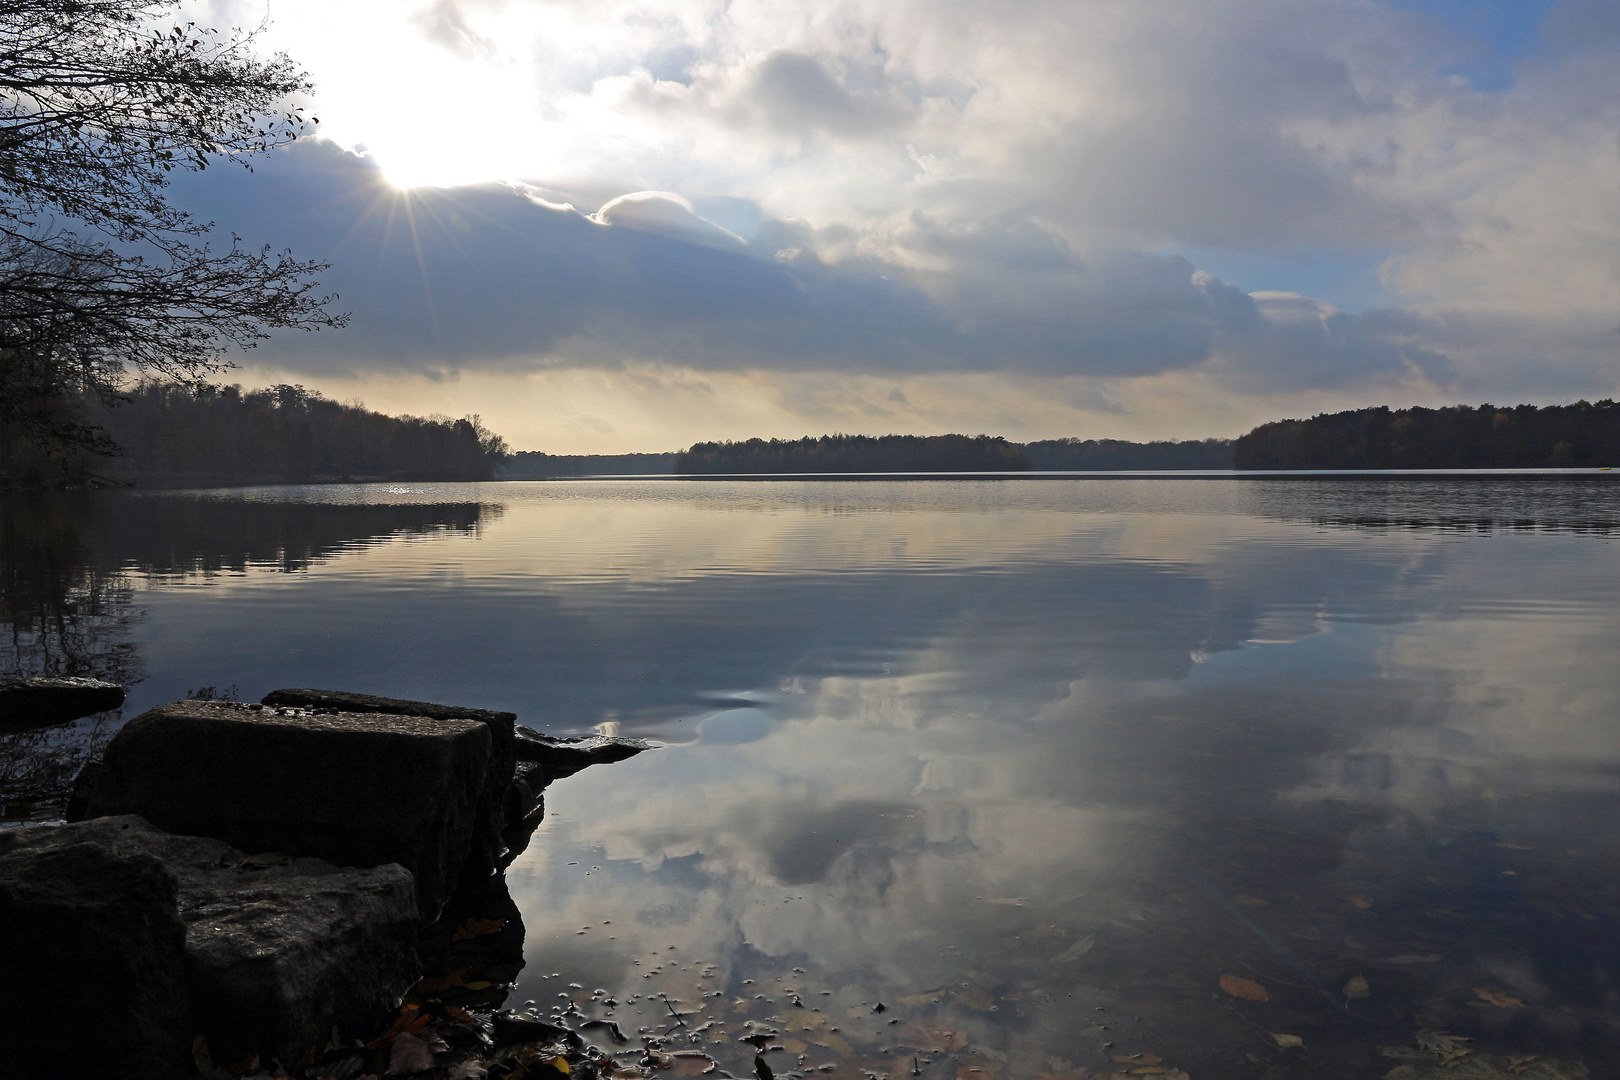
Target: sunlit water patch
(1236, 779)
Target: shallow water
(1034, 764)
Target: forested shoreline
(1119, 455)
(1454, 437)
(535, 465)
(856, 453)
(163, 433)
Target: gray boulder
(274, 951)
(36, 702)
(487, 847)
(353, 789)
(92, 975)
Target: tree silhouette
(100, 101)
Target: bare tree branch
(100, 277)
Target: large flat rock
(353, 789)
(92, 972)
(34, 702)
(487, 847)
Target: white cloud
(956, 186)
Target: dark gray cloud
(490, 277)
(798, 94)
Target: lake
(1248, 779)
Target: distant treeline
(1116, 455)
(534, 465)
(1455, 437)
(167, 433)
(856, 453)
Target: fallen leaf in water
(1287, 1042)
(1244, 988)
(835, 1043)
(974, 998)
(1250, 901)
(1082, 945)
(804, 1020)
(928, 997)
(795, 1046)
(1501, 1001)
(1357, 988)
(1442, 1041)
(409, 1055)
(474, 928)
(1138, 1059)
(1416, 958)
(1490, 1067)
(1358, 901)
(443, 982)
(481, 984)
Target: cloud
(908, 190)
(500, 277)
(796, 94)
(667, 214)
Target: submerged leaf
(1287, 1041)
(409, 1055)
(1082, 945)
(1247, 989)
(1442, 1041)
(1357, 987)
(1501, 1001)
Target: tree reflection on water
(73, 564)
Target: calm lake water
(1067, 774)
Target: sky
(630, 225)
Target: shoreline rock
(36, 702)
(276, 947)
(91, 931)
(354, 789)
(487, 847)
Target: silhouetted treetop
(856, 453)
(1455, 437)
(100, 100)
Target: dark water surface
(1036, 765)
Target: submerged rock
(274, 951)
(36, 702)
(353, 789)
(487, 848)
(92, 975)
(562, 757)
